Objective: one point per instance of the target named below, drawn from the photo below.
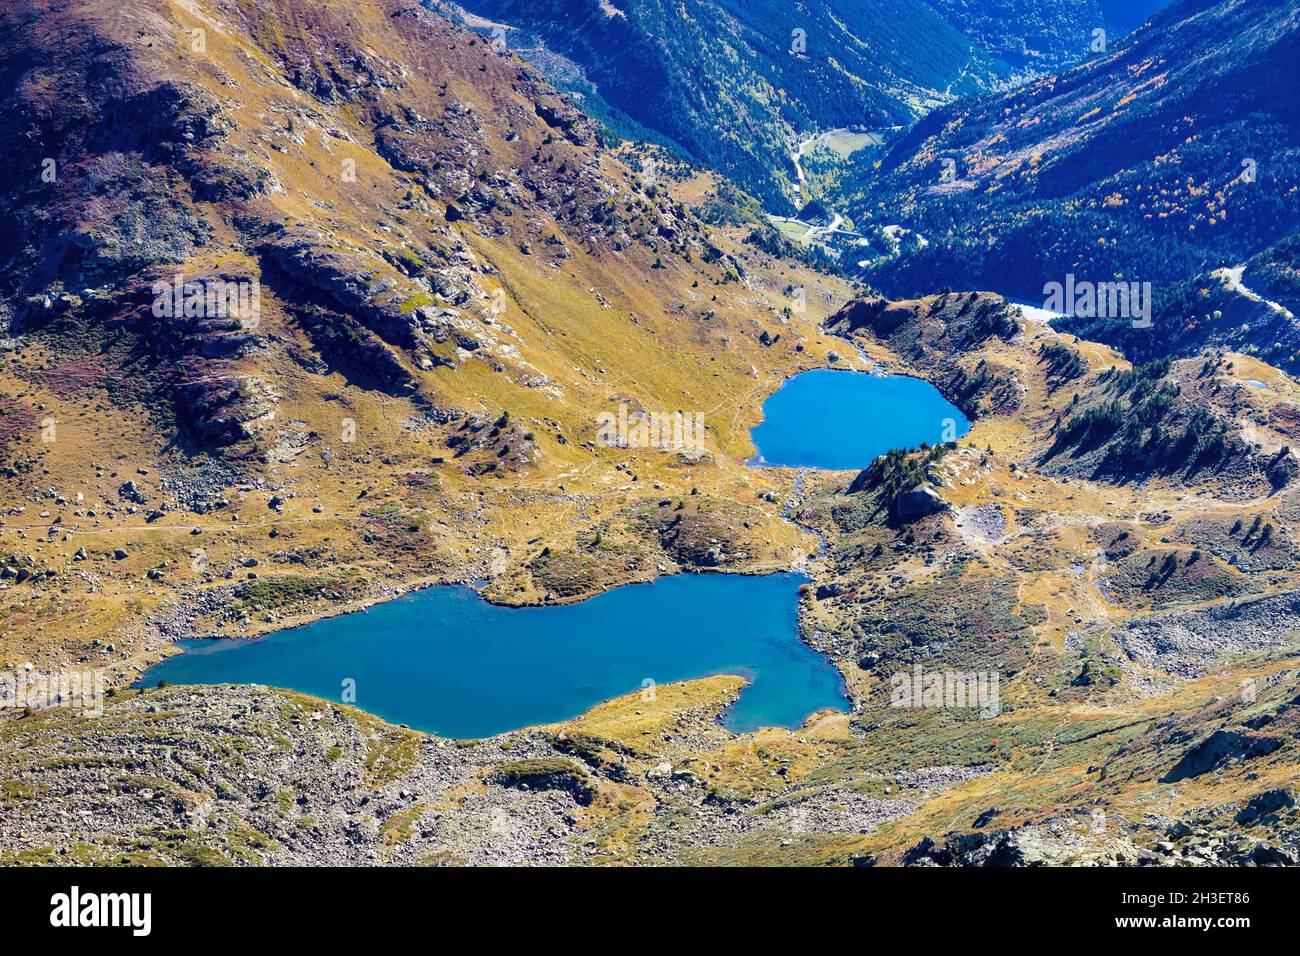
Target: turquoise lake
(445, 661)
(841, 420)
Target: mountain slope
(731, 84)
(1143, 639)
(1048, 34)
(453, 280)
(1175, 153)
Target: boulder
(1264, 805)
(917, 503)
(1216, 749)
(985, 818)
(129, 491)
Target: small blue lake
(841, 420)
(445, 661)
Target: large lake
(445, 661)
(841, 420)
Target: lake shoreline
(520, 663)
(805, 420)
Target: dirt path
(1232, 276)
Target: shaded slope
(1173, 154)
(726, 82)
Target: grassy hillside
(455, 280)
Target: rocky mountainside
(1169, 155)
(410, 277)
(1142, 640)
(437, 280)
(1249, 308)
